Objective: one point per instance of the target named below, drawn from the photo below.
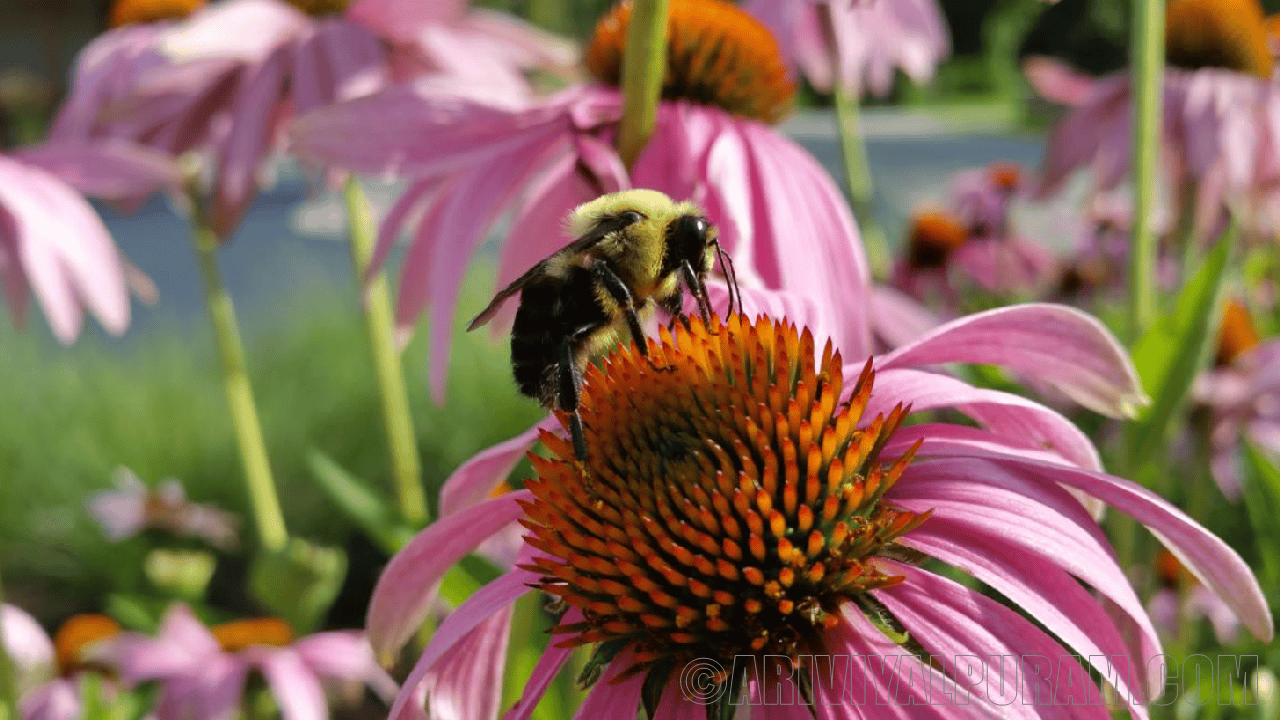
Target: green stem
(8, 677)
(244, 416)
(406, 469)
(643, 65)
(1147, 74)
(857, 171)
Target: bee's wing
(582, 244)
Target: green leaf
(1170, 354)
(1262, 500)
(364, 505)
(298, 583)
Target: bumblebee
(634, 250)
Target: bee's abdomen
(552, 311)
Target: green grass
(71, 415)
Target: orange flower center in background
(1005, 175)
(730, 503)
(717, 54)
(1228, 34)
(75, 639)
(318, 8)
(1237, 335)
(1170, 572)
(240, 634)
(935, 235)
(128, 12)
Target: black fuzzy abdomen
(552, 310)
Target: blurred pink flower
(1097, 267)
(202, 671)
(1221, 114)
(209, 83)
(997, 498)
(133, 507)
(859, 43)
(471, 162)
(1242, 394)
(47, 671)
(52, 242)
(28, 647)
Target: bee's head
(690, 237)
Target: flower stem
(406, 469)
(643, 66)
(1147, 74)
(244, 416)
(8, 676)
(857, 171)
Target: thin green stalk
(858, 172)
(244, 415)
(1147, 74)
(406, 470)
(8, 677)
(644, 62)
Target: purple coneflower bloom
(755, 497)
(858, 43)
(1242, 394)
(52, 242)
(473, 161)
(133, 507)
(230, 76)
(973, 238)
(47, 671)
(1220, 113)
(202, 670)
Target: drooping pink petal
(1211, 560)
(121, 512)
(29, 648)
(253, 130)
(344, 656)
(611, 697)
(479, 475)
(897, 319)
(220, 31)
(549, 664)
(1058, 82)
(355, 56)
(398, 215)
(1024, 423)
(58, 699)
(64, 251)
(401, 20)
(405, 589)
(297, 691)
(1058, 345)
(181, 644)
(467, 682)
(482, 605)
(110, 169)
(951, 620)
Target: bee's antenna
(732, 277)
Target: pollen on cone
(1229, 34)
(76, 635)
(935, 235)
(129, 12)
(1237, 335)
(240, 634)
(727, 504)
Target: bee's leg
(674, 305)
(617, 290)
(699, 292)
(567, 394)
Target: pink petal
(401, 20)
(897, 319)
(58, 699)
(253, 129)
(549, 664)
(474, 479)
(182, 644)
(110, 169)
(64, 249)
(409, 202)
(356, 57)
(219, 31)
(526, 44)
(467, 682)
(1211, 560)
(28, 646)
(1058, 82)
(404, 592)
(343, 656)
(484, 604)
(1058, 345)
(611, 698)
(951, 620)
(1022, 422)
(297, 691)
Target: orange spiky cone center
(1005, 175)
(129, 12)
(240, 634)
(1171, 573)
(1237, 335)
(74, 641)
(717, 54)
(935, 235)
(318, 8)
(1229, 34)
(730, 503)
